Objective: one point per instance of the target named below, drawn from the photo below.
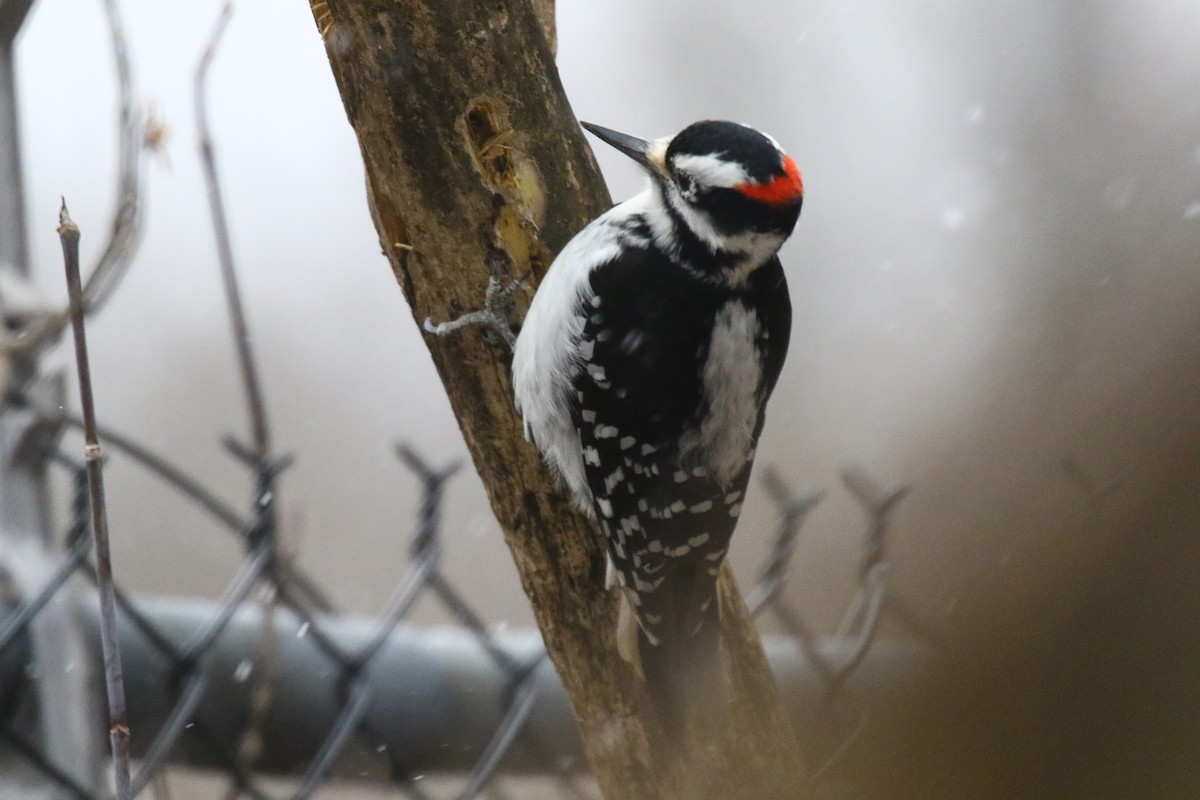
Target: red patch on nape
(783, 190)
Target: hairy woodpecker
(643, 368)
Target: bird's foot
(493, 315)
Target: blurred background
(996, 284)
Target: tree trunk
(476, 169)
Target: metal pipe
(435, 696)
(13, 251)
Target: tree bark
(476, 169)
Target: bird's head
(724, 180)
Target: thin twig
(118, 731)
(125, 230)
(250, 743)
(259, 454)
(126, 224)
(258, 417)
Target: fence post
(12, 208)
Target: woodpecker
(643, 368)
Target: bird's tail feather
(684, 670)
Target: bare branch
(125, 230)
(126, 226)
(212, 179)
(68, 233)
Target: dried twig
(259, 454)
(126, 228)
(126, 225)
(258, 417)
(68, 233)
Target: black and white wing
(667, 478)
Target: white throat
(750, 249)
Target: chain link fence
(269, 688)
(272, 680)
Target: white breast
(731, 377)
